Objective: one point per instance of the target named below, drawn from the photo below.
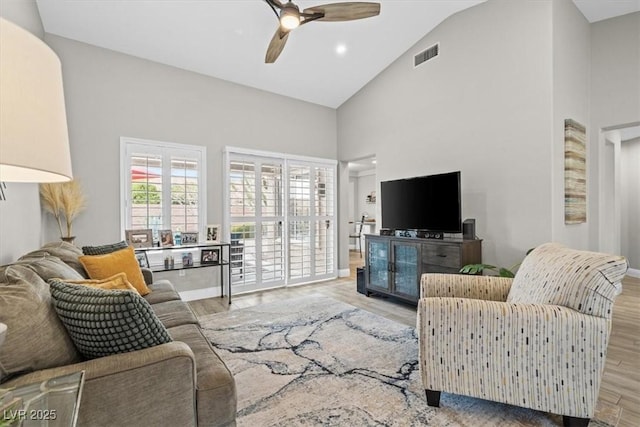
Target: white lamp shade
(34, 141)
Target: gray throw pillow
(104, 249)
(36, 338)
(104, 322)
(65, 251)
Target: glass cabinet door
(378, 263)
(406, 278)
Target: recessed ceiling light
(341, 49)
(374, 161)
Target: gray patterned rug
(316, 361)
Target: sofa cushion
(174, 313)
(124, 260)
(36, 339)
(104, 249)
(161, 291)
(216, 388)
(554, 274)
(47, 267)
(65, 251)
(104, 322)
(115, 282)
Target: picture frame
(210, 256)
(187, 259)
(190, 238)
(140, 238)
(166, 237)
(575, 172)
(213, 233)
(143, 260)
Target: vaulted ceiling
(323, 62)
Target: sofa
(538, 340)
(181, 382)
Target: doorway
(362, 206)
(620, 193)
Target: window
(163, 186)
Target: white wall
(630, 195)
(20, 224)
(366, 184)
(484, 107)
(571, 60)
(110, 95)
(614, 101)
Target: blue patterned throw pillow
(104, 322)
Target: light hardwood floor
(620, 390)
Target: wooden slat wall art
(575, 173)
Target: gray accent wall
(571, 56)
(614, 102)
(111, 94)
(493, 105)
(23, 13)
(630, 191)
(484, 106)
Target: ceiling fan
(290, 18)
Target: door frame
(228, 153)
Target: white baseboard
(633, 273)
(344, 272)
(197, 294)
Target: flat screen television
(430, 202)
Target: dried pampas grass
(64, 199)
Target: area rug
(315, 361)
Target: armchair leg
(433, 398)
(568, 421)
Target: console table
(394, 265)
(224, 257)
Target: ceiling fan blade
(277, 44)
(276, 3)
(345, 11)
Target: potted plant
(502, 271)
(64, 201)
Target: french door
(311, 219)
(280, 219)
(256, 219)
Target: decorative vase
(69, 239)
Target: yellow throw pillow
(122, 261)
(115, 282)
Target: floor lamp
(34, 141)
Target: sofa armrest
(154, 386)
(490, 288)
(545, 357)
(148, 275)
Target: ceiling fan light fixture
(290, 16)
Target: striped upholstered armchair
(537, 341)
